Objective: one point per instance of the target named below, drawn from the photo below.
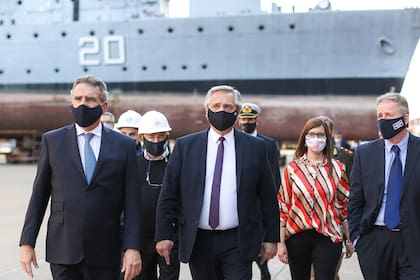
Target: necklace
(313, 167)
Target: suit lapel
(74, 149)
(202, 160)
(379, 163)
(239, 152)
(413, 154)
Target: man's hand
(131, 264)
(268, 251)
(27, 258)
(164, 248)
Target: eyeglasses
(311, 134)
(153, 185)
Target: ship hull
(354, 52)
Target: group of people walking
(133, 209)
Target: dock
(15, 191)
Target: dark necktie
(90, 159)
(215, 189)
(392, 207)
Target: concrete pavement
(15, 190)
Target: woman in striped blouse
(313, 206)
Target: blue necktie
(90, 159)
(215, 189)
(392, 207)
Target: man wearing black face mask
(248, 120)
(384, 208)
(154, 133)
(216, 182)
(90, 174)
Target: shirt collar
(402, 144)
(214, 136)
(96, 131)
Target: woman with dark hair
(313, 201)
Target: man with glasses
(154, 133)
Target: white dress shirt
(228, 211)
(95, 142)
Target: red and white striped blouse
(310, 198)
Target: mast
(76, 8)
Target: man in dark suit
(248, 121)
(214, 184)
(90, 174)
(384, 208)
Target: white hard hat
(153, 122)
(129, 118)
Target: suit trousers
(382, 256)
(216, 256)
(307, 247)
(82, 271)
(151, 261)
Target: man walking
(90, 174)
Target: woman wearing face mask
(154, 133)
(313, 201)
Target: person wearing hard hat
(128, 124)
(248, 120)
(154, 133)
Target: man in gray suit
(214, 184)
(90, 174)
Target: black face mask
(390, 128)
(155, 148)
(86, 116)
(221, 120)
(249, 127)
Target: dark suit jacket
(183, 188)
(367, 189)
(273, 158)
(85, 219)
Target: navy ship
(132, 45)
(277, 60)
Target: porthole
(386, 46)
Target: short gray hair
(110, 115)
(394, 97)
(95, 82)
(225, 88)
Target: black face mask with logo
(86, 116)
(221, 120)
(249, 127)
(391, 127)
(155, 148)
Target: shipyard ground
(15, 190)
